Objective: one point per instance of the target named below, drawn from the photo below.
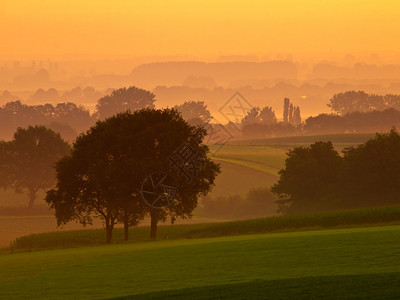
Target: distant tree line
(354, 112)
(359, 101)
(263, 122)
(355, 122)
(317, 178)
(68, 118)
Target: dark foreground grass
(331, 263)
(370, 286)
(340, 219)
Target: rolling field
(367, 217)
(268, 155)
(235, 180)
(245, 165)
(360, 263)
(250, 259)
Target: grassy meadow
(245, 164)
(333, 255)
(358, 263)
(341, 219)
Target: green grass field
(360, 263)
(268, 155)
(340, 219)
(250, 259)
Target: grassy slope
(237, 179)
(369, 286)
(268, 155)
(341, 219)
(295, 261)
(245, 165)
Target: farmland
(249, 266)
(334, 255)
(245, 165)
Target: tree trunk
(154, 221)
(109, 229)
(126, 227)
(32, 197)
(153, 230)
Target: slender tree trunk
(32, 197)
(154, 221)
(109, 229)
(126, 227)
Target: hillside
(331, 264)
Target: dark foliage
(102, 177)
(360, 122)
(15, 114)
(316, 178)
(27, 162)
(194, 112)
(352, 101)
(123, 99)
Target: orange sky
(205, 29)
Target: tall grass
(339, 219)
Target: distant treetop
(124, 99)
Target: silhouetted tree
(371, 172)
(265, 116)
(77, 116)
(66, 131)
(347, 102)
(251, 117)
(308, 179)
(15, 114)
(296, 117)
(27, 161)
(194, 112)
(123, 99)
(353, 122)
(103, 176)
(286, 103)
(291, 113)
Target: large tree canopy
(103, 176)
(123, 99)
(371, 172)
(27, 162)
(316, 178)
(309, 176)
